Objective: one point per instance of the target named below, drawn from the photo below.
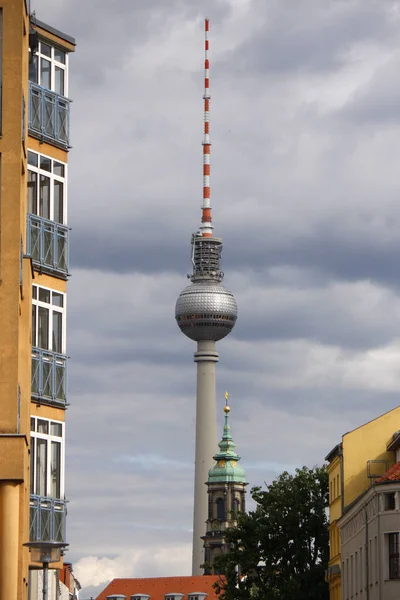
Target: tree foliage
(280, 550)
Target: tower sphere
(206, 310)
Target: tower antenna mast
(206, 226)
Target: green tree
(280, 550)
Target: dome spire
(226, 468)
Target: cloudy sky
(305, 192)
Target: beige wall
(365, 553)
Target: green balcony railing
(47, 518)
(47, 245)
(48, 116)
(49, 378)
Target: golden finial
(226, 407)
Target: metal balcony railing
(48, 116)
(47, 519)
(47, 245)
(49, 377)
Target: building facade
(226, 488)
(370, 531)
(355, 465)
(34, 269)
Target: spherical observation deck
(206, 310)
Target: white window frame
(53, 64)
(51, 308)
(49, 438)
(53, 177)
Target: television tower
(206, 312)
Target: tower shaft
(206, 358)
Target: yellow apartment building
(34, 145)
(354, 465)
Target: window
(47, 458)
(49, 68)
(236, 506)
(48, 319)
(47, 188)
(390, 501)
(394, 562)
(220, 504)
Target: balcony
(49, 378)
(47, 245)
(47, 519)
(48, 116)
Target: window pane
(41, 467)
(58, 299)
(59, 55)
(58, 169)
(32, 424)
(59, 81)
(55, 469)
(56, 429)
(32, 192)
(58, 216)
(44, 295)
(33, 69)
(45, 49)
(44, 197)
(34, 291)
(34, 328)
(32, 159)
(45, 71)
(57, 332)
(42, 426)
(43, 333)
(45, 163)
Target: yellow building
(355, 464)
(34, 144)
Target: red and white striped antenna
(206, 226)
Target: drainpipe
(341, 477)
(379, 557)
(366, 554)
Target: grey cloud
(377, 103)
(108, 33)
(286, 41)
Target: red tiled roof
(157, 587)
(392, 475)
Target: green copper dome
(226, 468)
